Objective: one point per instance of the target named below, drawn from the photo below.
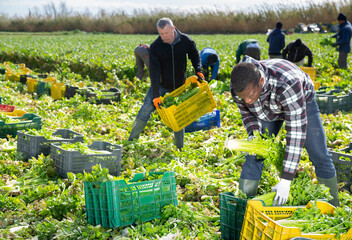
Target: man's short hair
(163, 21)
(279, 25)
(243, 75)
(212, 58)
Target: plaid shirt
(286, 91)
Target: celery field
(47, 206)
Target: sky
(21, 8)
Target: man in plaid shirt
(268, 93)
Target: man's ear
(261, 81)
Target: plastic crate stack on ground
(312, 72)
(260, 222)
(343, 165)
(106, 154)
(98, 96)
(118, 203)
(32, 146)
(178, 117)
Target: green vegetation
(55, 207)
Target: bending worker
(167, 70)
(296, 51)
(209, 59)
(249, 47)
(267, 93)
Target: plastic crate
(30, 121)
(205, 122)
(329, 103)
(178, 117)
(232, 210)
(44, 86)
(107, 97)
(312, 72)
(70, 91)
(260, 222)
(73, 161)
(32, 85)
(117, 203)
(58, 90)
(6, 108)
(15, 113)
(32, 145)
(343, 167)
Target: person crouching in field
(296, 51)
(167, 71)
(209, 59)
(267, 93)
(249, 47)
(141, 52)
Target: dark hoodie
(276, 40)
(168, 62)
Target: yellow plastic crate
(32, 85)
(312, 72)
(15, 113)
(259, 223)
(178, 117)
(58, 90)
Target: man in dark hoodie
(343, 40)
(167, 71)
(276, 40)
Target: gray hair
(163, 21)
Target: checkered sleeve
(294, 106)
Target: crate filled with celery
(79, 157)
(32, 142)
(117, 203)
(343, 164)
(10, 125)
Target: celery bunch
(268, 148)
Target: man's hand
(200, 76)
(282, 190)
(157, 102)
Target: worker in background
(141, 52)
(209, 59)
(249, 47)
(269, 93)
(343, 40)
(167, 71)
(276, 40)
(296, 51)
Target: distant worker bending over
(276, 40)
(141, 52)
(249, 47)
(210, 59)
(295, 52)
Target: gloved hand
(157, 102)
(334, 44)
(282, 189)
(200, 76)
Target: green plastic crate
(232, 211)
(329, 103)
(32, 146)
(43, 88)
(30, 121)
(343, 165)
(118, 203)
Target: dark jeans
(342, 61)
(315, 145)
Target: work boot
(332, 184)
(249, 187)
(179, 139)
(138, 127)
